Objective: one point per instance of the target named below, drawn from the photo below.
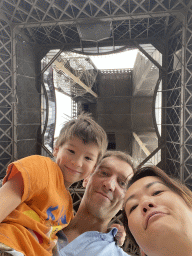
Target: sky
(63, 106)
(120, 60)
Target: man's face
(106, 187)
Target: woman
(158, 214)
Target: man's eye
(122, 183)
(104, 173)
(157, 192)
(133, 208)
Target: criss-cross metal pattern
(55, 22)
(173, 108)
(167, 24)
(186, 161)
(6, 98)
(178, 109)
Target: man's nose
(109, 183)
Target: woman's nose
(147, 205)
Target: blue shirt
(91, 243)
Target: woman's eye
(157, 192)
(133, 208)
(71, 151)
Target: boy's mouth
(72, 170)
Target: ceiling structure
(59, 22)
(101, 27)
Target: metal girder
(95, 19)
(61, 67)
(148, 56)
(51, 61)
(7, 96)
(183, 89)
(141, 144)
(143, 77)
(151, 155)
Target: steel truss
(6, 98)
(165, 24)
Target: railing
(45, 151)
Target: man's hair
(120, 155)
(174, 184)
(86, 129)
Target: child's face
(76, 159)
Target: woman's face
(156, 215)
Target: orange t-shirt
(46, 207)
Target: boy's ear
(55, 151)
(85, 181)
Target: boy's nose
(77, 162)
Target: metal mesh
(74, 67)
(187, 140)
(55, 22)
(52, 24)
(6, 98)
(48, 103)
(173, 108)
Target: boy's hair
(174, 184)
(86, 129)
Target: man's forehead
(116, 164)
(108, 161)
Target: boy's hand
(120, 236)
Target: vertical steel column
(164, 103)
(14, 84)
(73, 108)
(183, 88)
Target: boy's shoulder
(35, 160)
(37, 157)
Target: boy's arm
(10, 195)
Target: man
(88, 234)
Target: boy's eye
(88, 158)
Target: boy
(35, 203)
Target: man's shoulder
(93, 243)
